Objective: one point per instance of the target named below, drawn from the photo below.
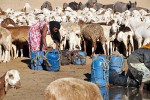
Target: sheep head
(12, 80)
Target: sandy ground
(34, 82)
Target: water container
(37, 60)
(116, 63)
(78, 57)
(52, 61)
(105, 93)
(100, 71)
(99, 56)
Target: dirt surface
(34, 82)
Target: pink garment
(34, 36)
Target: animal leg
(94, 49)
(21, 50)
(103, 45)
(15, 51)
(139, 42)
(107, 47)
(84, 46)
(6, 54)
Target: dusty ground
(34, 82)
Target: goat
(72, 89)
(11, 79)
(19, 36)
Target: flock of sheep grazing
(108, 24)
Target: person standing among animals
(139, 65)
(37, 35)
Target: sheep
(124, 34)
(140, 29)
(73, 35)
(121, 7)
(47, 5)
(72, 89)
(11, 79)
(26, 8)
(6, 42)
(92, 32)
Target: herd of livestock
(110, 25)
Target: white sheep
(11, 79)
(72, 89)
(73, 34)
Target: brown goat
(92, 32)
(19, 36)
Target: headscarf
(147, 46)
(55, 35)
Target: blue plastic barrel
(105, 93)
(37, 60)
(100, 71)
(116, 63)
(99, 56)
(79, 57)
(53, 60)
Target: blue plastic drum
(116, 63)
(53, 60)
(100, 72)
(37, 60)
